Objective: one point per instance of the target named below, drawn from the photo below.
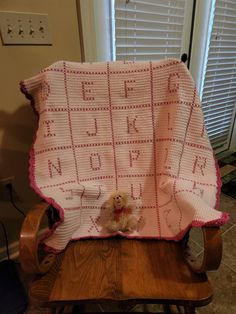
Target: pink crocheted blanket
(130, 126)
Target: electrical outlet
(4, 192)
(19, 28)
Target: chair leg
(167, 308)
(57, 310)
(171, 308)
(189, 310)
(79, 308)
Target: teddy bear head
(118, 200)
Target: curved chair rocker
(118, 270)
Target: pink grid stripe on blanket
(131, 126)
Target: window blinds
(151, 29)
(219, 91)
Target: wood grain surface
(212, 253)
(132, 270)
(29, 242)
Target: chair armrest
(29, 242)
(212, 251)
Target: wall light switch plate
(19, 28)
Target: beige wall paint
(17, 121)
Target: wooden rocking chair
(118, 271)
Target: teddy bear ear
(110, 200)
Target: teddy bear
(121, 213)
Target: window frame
(98, 36)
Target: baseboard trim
(13, 251)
